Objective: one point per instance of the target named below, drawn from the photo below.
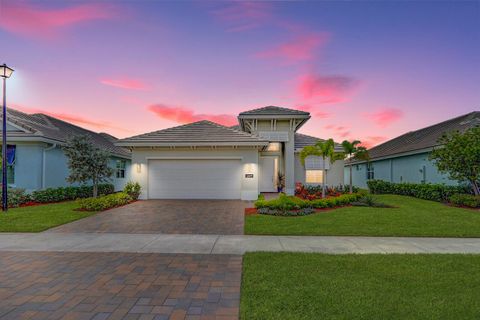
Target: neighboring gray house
(35, 157)
(405, 158)
(205, 160)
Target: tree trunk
(95, 188)
(324, 178)
(351, 191)
(476, 188)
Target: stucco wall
(334, 175)
(401, 169)
(140, 157)
(29, 164)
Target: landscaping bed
(321, 286)
(409, 217)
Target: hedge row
(427, 191)
(105, 202)
(465, 200)
(17, 197)
(287, 203)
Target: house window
(121, 164)
(313, 176)
(370, 172)
(11, 157)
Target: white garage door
(194, 179)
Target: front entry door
(267, 174)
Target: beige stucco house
(205, 160)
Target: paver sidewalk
(229, 244)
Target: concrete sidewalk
(229, 244)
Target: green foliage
(104, 202)
(87, 162)
(291, 213)
(427, 191)
(466, 200)
(17, 197)
(353, 152)
(368, 200)
(69, 193)
(459, 156)
(132, 189)
(284, 204)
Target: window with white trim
(370, 172)
(314, 176)
(120, 169)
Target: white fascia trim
(194, 158)
(273, 116)
(190, 144)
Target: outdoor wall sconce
(139, 168)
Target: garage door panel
(194, 179)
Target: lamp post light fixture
(5, 72)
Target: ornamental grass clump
(104, 202)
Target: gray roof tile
(273, 110)
(424, 138)
(197, 132)
(41, 125)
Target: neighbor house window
(121, 164)
(370, 172)
(313, 176)
(11, 157)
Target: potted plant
(280, 182)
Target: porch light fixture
(139, 168)
(5, 73)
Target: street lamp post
(5, 72)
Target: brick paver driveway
(66, 285)
(166, 216)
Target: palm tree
(353, 152)
(324, 149)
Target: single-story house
(206, 160)
(405, 158)
(35, 157)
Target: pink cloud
(78, 120)
(125, 83)
(385, 116)
(372, 141)
(33, 21)
(338, 131)
(314, 111)
(243, 15)
(326, 89)
(186, 115)
(300, 48)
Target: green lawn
(39, 218)
(412, 217)
(319, 286)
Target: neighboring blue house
(35, 156)
(405, 158)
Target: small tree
(353, 152)
(324, 149)
(87, 162)
(459, 156)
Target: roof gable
(273, 110)
(196, 133)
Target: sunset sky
(364, 70)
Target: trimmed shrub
(368, 200)
(16, 197)
(427, 191)
(69, 193)
(284, 204)
(104, 202)
(132, 189)
(466, 200)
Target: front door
(267, 182)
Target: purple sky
(365, 70)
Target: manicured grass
(39, 218)
(412, 217)
(319, 286)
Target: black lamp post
(5, 72)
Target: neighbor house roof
(197, 133)
(424, 139)
(42, 127)
(273, 110)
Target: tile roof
(273, 110)
(424, 138)
(44, 126)
(201, 132)
(303, 140)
